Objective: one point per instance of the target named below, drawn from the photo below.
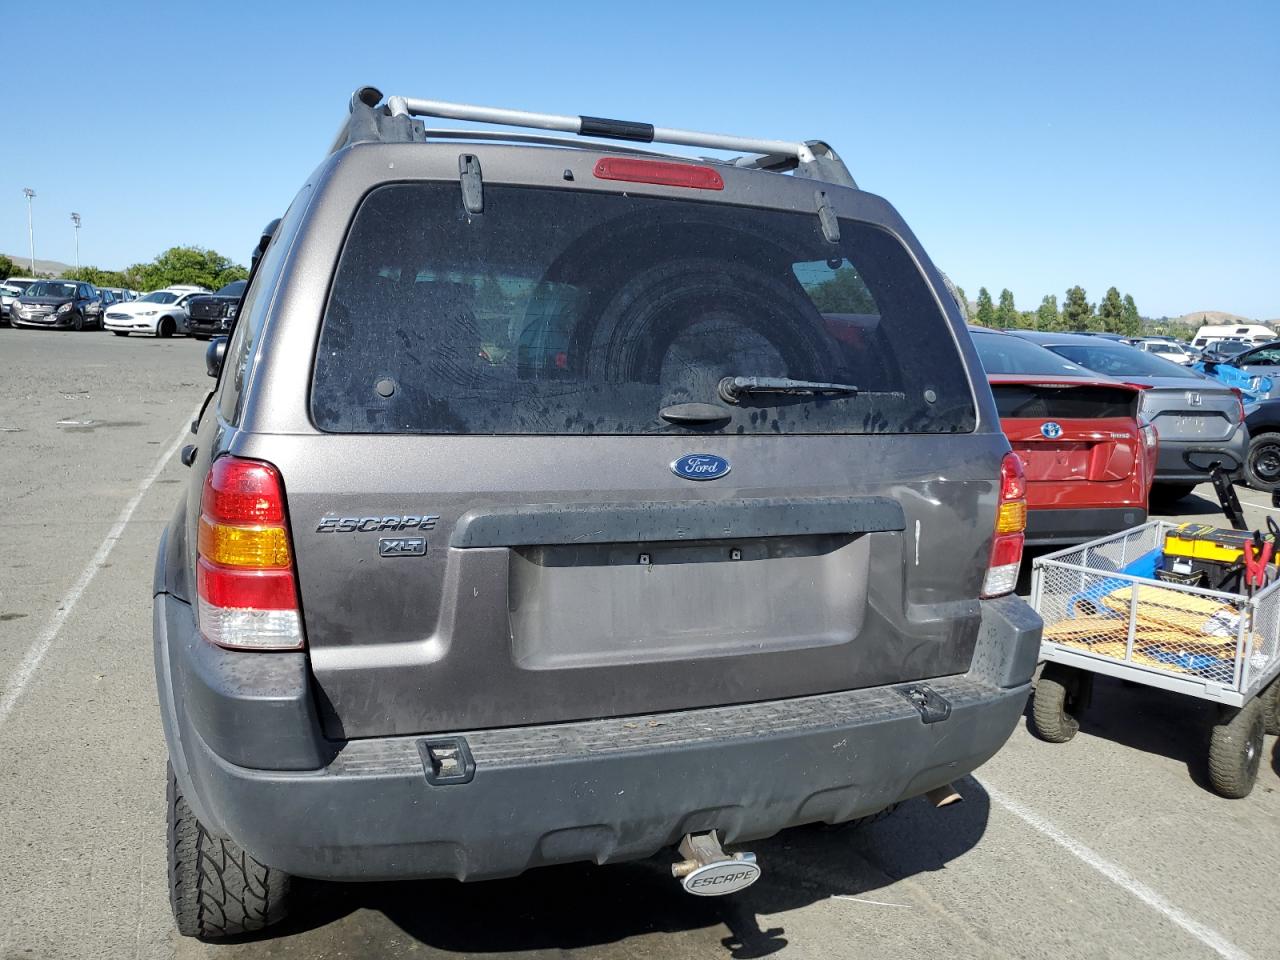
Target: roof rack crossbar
(371, 119)
(595, 127)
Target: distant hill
(22, 263)
(1199, 318)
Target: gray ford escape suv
(564, 501)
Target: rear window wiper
(732, 389)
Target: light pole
(31, 237)
(75, 220)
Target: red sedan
(1088, 457)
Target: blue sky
(1029, 145)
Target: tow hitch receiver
(707, 871)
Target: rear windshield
(1041, 401)
(567, 312)
(1000, 353)
(1116, 360)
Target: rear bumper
(1067, 526)
(1172, 468)
(601, 791)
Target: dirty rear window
(568, 312)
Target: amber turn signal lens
(244, 546)
(1012, 517)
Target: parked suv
(213, 313)
(567, 503)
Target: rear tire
(1235, 749)
(1270, 698)
(1170, 493)
(1262, 463)
(1054, 704)
(217, 890)
(166, 327)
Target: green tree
(962, 300)
(1047, 314)
(1130, 320)
(99, 278)
(986, 313)
(195, 265)
(1111, 311)
(1077, 314)
(7, 267)
(1006, 314)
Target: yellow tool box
(1202, 541)
(1202, 555)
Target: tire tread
(1050, 715)
(1230, 771)
(216, 889)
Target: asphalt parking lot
(1109, 846)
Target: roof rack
(393, 121)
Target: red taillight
(1007, 550)
(1013, 482)
(1006, 546)
(242, 491)
(245, 577)
(659, 171)
(252, 589)
(1239, 403)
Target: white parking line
(16, 684)
(1259, 506)
(1117, 875)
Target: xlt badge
(402, 547)
(371, 524)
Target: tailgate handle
(549, 524)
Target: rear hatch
(1078, 439)
(1182, 404)
(1192, 410)
(530, 502)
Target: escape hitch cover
(707, 871)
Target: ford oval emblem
(1051, 430)
(721, 877)
(700, 466)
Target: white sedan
(161, 313)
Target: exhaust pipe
(707, 871)
(944, 796)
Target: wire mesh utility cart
(1106, 612)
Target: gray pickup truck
(562, 500)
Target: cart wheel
(1235, 749)
(1270, 698)
(1060, 694)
